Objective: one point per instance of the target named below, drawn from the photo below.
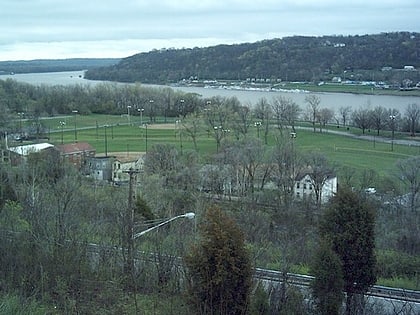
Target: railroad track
(291, 278)
(305, 281)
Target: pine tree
(348, 225)
(219, 267)
(327, 288)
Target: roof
(308, 171)
(30, 148)
(73, 148)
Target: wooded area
(297, 58)
(64, 236)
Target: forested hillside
(41, 65)
(296, 58)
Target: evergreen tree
(219, 266)
(348, 224)
(327, 288)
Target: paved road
(367, 137)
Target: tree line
(46, 65)
(21, 100)
(297, 58)
(61, 235)
(50, 210)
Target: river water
(328, 100)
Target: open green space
(346, 88)
(115, 134)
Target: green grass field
(119, 136)
(346, 88)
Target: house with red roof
(77, 154)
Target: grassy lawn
(356, 153)
(119, 136)
(346, 88)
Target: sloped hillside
(296, 58)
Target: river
(328, 100)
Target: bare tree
(248, 156)
(191, 126)
(345, 112)
(361, 119)
(242, 120)
(263, 112)
(320, 170)
(325, 116)
(410, 175)
(412, 114)
(285, 111)
(378, 118)
(313, 102)
(217, 115)
(286, 163)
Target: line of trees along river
(328, 100)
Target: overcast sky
(47, 29)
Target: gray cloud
(62, 29)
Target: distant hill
(55, 65)
(297, 58)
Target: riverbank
(365, 88)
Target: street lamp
(218, 130)
(145, 125)
(178, 128)
(62, 124)
(181, 107)
(21, 114)
(258, 125)
(151, 110)
(75, 126)
(128, 114)
(141, 110)
(392, 117)
(188, 215)
(106, 142)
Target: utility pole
(128, 227)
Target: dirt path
(161, 126)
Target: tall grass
(14, 305)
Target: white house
(304, 187)
(409, 68)
(122, 164)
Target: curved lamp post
(188, 215)
(75, 112)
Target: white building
(304, 187)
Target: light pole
(145, 125)
(75, 125)
(218, 130)
(188, 215)
(293, 138)
(151, 111)
(106, 142)
(141, 110)
(20, 125)
(181, 108)
(392, 117)
(128, 114)
(178, 128)
(62, 124)
(258, 125)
